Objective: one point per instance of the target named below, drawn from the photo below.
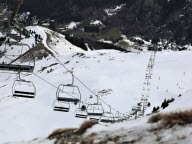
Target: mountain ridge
(149, 18)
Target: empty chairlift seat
(61, 106)
(24, 89)
(118, 118)
(124, 118)
(95, 111)
(95, 118)
(108, 117)
(127, 117)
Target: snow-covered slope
(120, 74)
(141, 132)
(58, 43)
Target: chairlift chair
(136, 108)
(146, 105)
(15, 67)
(140, 114)
(97, 119)
(144, 98)
(139, 104)
(124, 118)
(81, 113)
(117, 118)
(22, 88)
(94, 113)
(127, 116)
(108, 117)
(148, 83)
(148, 77)
(68, 93)
(95, 110)
(61, 106)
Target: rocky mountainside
(149, 18)
(67, 10)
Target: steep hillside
(68, 10)
(149, 18)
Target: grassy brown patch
(58, 132)
(155, 118)
(86, 125)
(72, 132)
(172, 119)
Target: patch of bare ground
(172, 119)
(164, 130)
(44, 68)
(73, 135)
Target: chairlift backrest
(16, 61)
(61, 106)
